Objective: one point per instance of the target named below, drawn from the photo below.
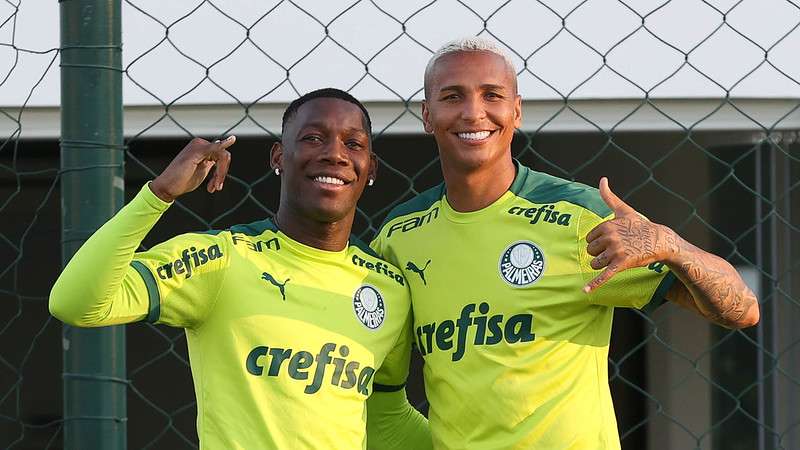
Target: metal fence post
(92, 188)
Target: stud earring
(277, 171)
(370, 182)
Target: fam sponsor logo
(522, 263)
(413, 222)
(380, 267)
(256, 246)
(482, 329)
(369, 307)
(265, 361)
(545, 213)
(191, 258)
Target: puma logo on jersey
(487, 329)
(413, 222)
(547, 214)
(274, 282)
(191, 258)
(421, 272)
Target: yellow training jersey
(284, 339)
(515, 352)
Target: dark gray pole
(92, 189)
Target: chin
(327, 214)
(470, 160)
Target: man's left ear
(373, 168)
(518, 112)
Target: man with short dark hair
(288, 318)
(523, 271)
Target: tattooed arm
(708, 284)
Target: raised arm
(708, 284)
(99, 286)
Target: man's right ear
(426, 122)
(276, 156)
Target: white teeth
(329, 180)
(474, 136)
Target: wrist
(670, 247)
(160, 192)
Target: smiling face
(472, 108)
(325, 158)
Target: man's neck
(331, 236)
(474, 189)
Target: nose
(473, 110)
(334, 153)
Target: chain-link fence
(692, 108)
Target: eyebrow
(324, 126)
(486, 86)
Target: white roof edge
(393, 118)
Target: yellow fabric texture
(284, 339)
(515, 352)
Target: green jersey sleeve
(183, 277)
(636, 288)
(107, 283)
(392, 423)
(392, 374)
(378, 245)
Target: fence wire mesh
(721, 167)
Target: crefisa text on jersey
(380, 267)
(489, 330)
(547, 214)
(191, 258)
(346, 374)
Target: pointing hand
(191, 166)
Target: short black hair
(291, 110)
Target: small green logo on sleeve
(191, 258)
(380, 267)
(543, 214)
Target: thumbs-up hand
(628, 240)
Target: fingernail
(586, 289)
(230, 137)
(220, 187)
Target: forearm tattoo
(717, 289)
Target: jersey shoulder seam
(539, 187)
(214, 302)
(419, 203)
(361, 245)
